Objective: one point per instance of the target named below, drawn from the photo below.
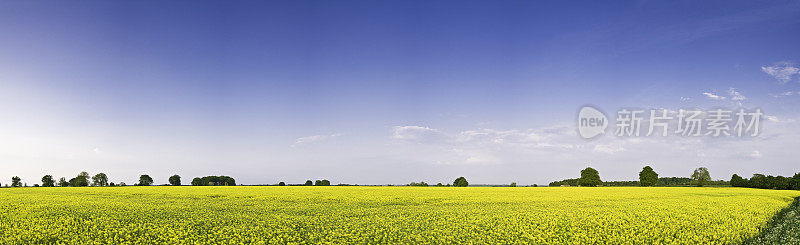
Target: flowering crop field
(279, 215)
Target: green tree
(439, 184)
(461, 182)
(589, 177)
(197, 181)
(175, 180)
(15, 181)
(326, 182)
(701, 176)
(145, 180)
(796, 181)
(281, 184)
(309, 183)
(81, 180)
(648, 177)
(63, 182)
(513, 184)
(738, 181)
(100, 180)
(47, 181)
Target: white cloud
(735, 95)
(755, 154)
(784, 94)
(713, 96)
(416, 133)
(783, 71)
(685, 99)
(777, 120)
(608, 149)
(313, 138)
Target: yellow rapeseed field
(390, 215)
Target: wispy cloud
(313, 138)
(686, 98)
(782, 71)
(713, 96)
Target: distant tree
(100, 180)
(309, 183)
(15, 181)
(513, 184)
(35, 185)
(589, 177)
(175, 180)
(145, 180)
(648, 177)
(47, 181)
(796, 181)
(535, 185)
(461, 182)
(63, 182)
(738, 181)
(439, 184)
(421, 183)
(81, 180)
(758, 181)
(111, 184)
(281, 184)
(701, 177)
(122, 184)
(197, 181)
(326, 182)
(317, 182)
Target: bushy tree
(439, 184)
(63, 182)
(309, 183)
(16, 181)
(281, 184)
(100, 180)
(461, 182)
(796, 181)
(197, 181)
(648, 177)
(701, 176)
(214, 180)
(145, 180)
(175, 180)
(589, 177)
(513, 184)
(738, 181)
(47, 181)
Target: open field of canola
(389, 215)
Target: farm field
(412, 215)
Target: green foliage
(63, 182)
(145, 180)
(589, 177)
(513, 184)
(47, 181)
(100, 180)
(422, 183)
(461, 182)
(308, 183)
(15, 181)
(701, 176)
(175, 180)
(648, 177)
(214, 181)
(281, 184)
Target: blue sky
(384, 92)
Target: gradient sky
(386, 92)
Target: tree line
(647, 177)
(101, 179)
(761, 181)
